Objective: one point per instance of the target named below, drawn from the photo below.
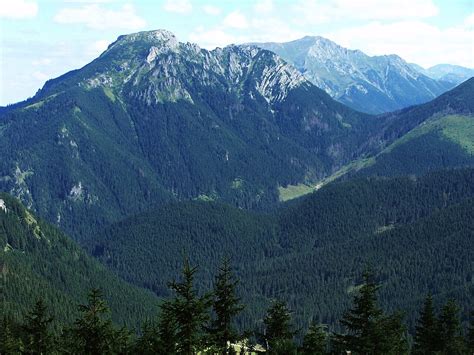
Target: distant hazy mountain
(370, 84)
(454, 74)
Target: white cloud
(213, 38)
(178, 6)
(88, 1)
(42, 61)
(469, 21)
(317, 12)
(211, 10)
(40, 76)
(415, 41)
(263, 6)
(235, 20)
(97, 47)
(97, 17)
(18, 9)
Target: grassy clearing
(294, 191)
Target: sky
(42, 39)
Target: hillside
(318, 245)
(369, 84)
(433, 136)
(131, 130)
(39, 261)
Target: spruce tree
(10, 342)
(190, 313)
(226, 305)
(149, 341)
(167, 328)
(470, 333)
(426, 337)
(315, 341)
(93, 332)
(452, 342)
(38, 338)
(278, 329)
(369, 331)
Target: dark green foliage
(189, 310)
(36, 326)
(58, 271)
(226, 306)
(417, 231)
(10, 341)
(279, 330)
(369, 331)
(93, 332)
(470, 332)
(427, 335)
(451, 340)
(167, 329)
(149, 342)
(315, 341)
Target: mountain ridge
(373, 84)
(177, 122)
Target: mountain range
(160, 149)
(372, 84)
(153, 120)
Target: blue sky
(41, 39)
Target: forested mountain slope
(39, 261)
(440, 135)
(417, 233)
(153, 120)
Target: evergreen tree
(149, 341)
(38, 338)
(426, 336)
(167, 328)
(470, 333)
(369, 331)
(394, 339)
(10, 343)
(93, 332)
(190, 313)
(226, 305)
(315, 341)
(452, 342)
(278, 329)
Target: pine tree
(226, 305)
(452, 342)
(278, 329)
(190, 312)
(39, 339)
(93, 332)
(426, 336)
(315, 341)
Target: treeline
(204, 323)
